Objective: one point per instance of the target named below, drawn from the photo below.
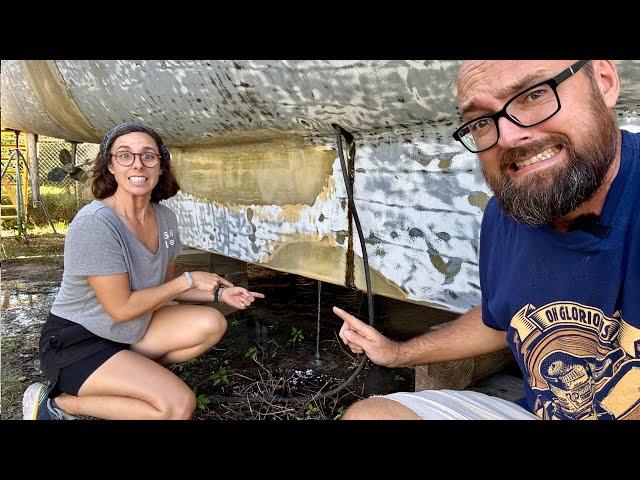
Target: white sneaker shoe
(36, 405)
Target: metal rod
(19, 199)
(46, 213)
(6, 167)
(74, 151)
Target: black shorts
(69, 353)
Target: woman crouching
(110, 334)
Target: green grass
(11, 391)
(9, 345)
(42, 243)
(60, 202)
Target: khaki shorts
(460, 405)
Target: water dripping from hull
(317, 361)
(310, 361)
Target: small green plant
(234, 323)
(203, 401)
(220, 376)
(250, 352)
(296, 336)
(9, 345)
(311, 411)
(275, 348)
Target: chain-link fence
(61, 194)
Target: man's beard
(540, 197)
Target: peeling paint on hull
(421, 240)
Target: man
(559, 251)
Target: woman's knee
(218, 322)
(181, 405)
(213, 325)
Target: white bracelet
(192, 284)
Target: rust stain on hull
(325, 261)
(320, 260)
(278, 171)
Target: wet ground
(268, 350)
(28, 289)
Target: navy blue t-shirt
(570, 303)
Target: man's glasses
(126, 159)
(528, 108)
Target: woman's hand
(238, 297)
(209, 282)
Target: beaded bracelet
(216, 296)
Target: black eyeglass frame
(552, 82)
(159, 157)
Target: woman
(110, 334)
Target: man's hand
(238, 297)
(362, 338)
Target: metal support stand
(74, 152)
(20, 196)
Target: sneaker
(36, 405)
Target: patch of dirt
(29, 287)
(268, 350)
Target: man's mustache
(523, 152)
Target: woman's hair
(103, 183)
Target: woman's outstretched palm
(238, 297)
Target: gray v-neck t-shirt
(99, 243)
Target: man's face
(541, 173)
